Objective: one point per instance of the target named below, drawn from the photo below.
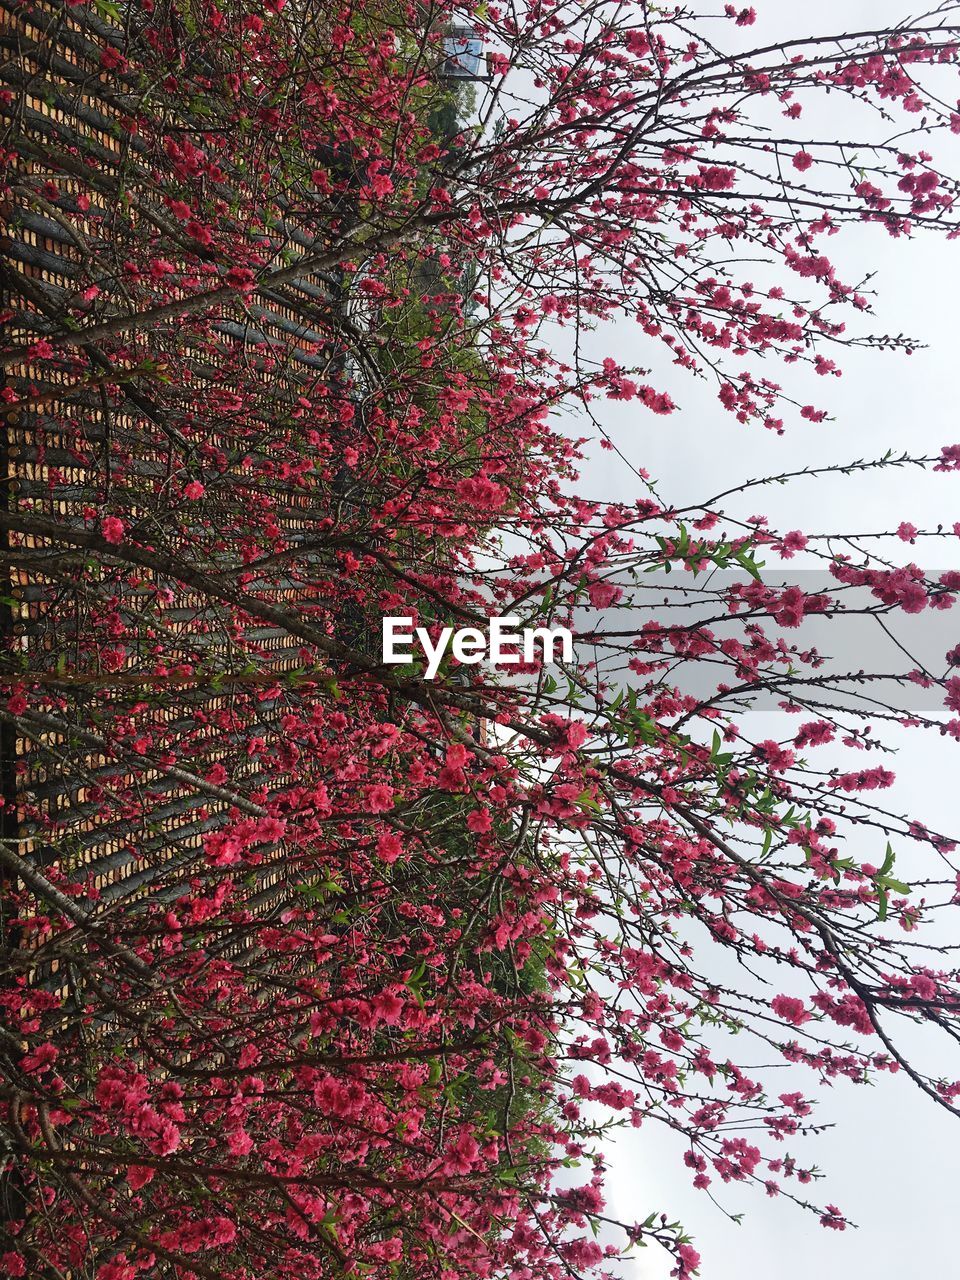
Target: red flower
(379, 799)
(479, 821)
(389, 848)
(790, 1009)
(199, 232)
(40, 1060)
(113, 529)
(242, 278)
(112, 59)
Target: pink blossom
(479, 821)
(389, 847)
(463, 1154)
(386, 1007)
(113, 529)
(379, 798)
(112, 59)
(199, 232)
(865, 780)
(656, 401)
(790, 1009)
(814, 733)
(379, 187)
(717, 178)
(139, 1175)
(833, 1219)
(689, 1258)
(792, 542)
(811, 414)
(119, 1269)
(40, 1060)
(239, 1142)
(482, 492)
(778, 758)
(604, 594)
(242, 278)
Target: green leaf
(107, 9)
(888, 861)
(898, 886)
(746, 561)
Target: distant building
(464, 57)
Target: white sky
(893, 1162)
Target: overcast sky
(894, 1158)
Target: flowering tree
(324, 966)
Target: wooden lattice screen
(62, 115)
